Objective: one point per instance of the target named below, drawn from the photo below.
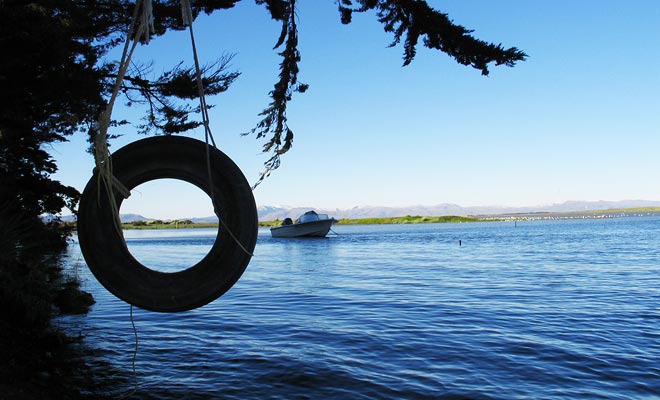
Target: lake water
(535, 310)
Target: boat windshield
(312, 216)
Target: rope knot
(148, 20)
(186, 12)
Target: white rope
(186, 12)
(101, 152)
(186, 15)
(147, 20)
(134, 390)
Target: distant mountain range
(269, 213)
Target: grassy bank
(39, 361)
(186, 224)
(345, 221)
(407, 220)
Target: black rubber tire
(120, 273)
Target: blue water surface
(564, 309)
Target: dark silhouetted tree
(54, 80)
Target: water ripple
(552, 310)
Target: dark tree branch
(414, 19)
(166, 114)
(274, 121)
(408, 20)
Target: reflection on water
(552, 310)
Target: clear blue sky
(579, 120)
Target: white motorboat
(308, 224)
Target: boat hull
(305, 229)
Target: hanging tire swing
(173, 157)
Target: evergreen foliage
(414, 19)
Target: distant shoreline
(609, 213)
(345, 221)
(595, 214)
